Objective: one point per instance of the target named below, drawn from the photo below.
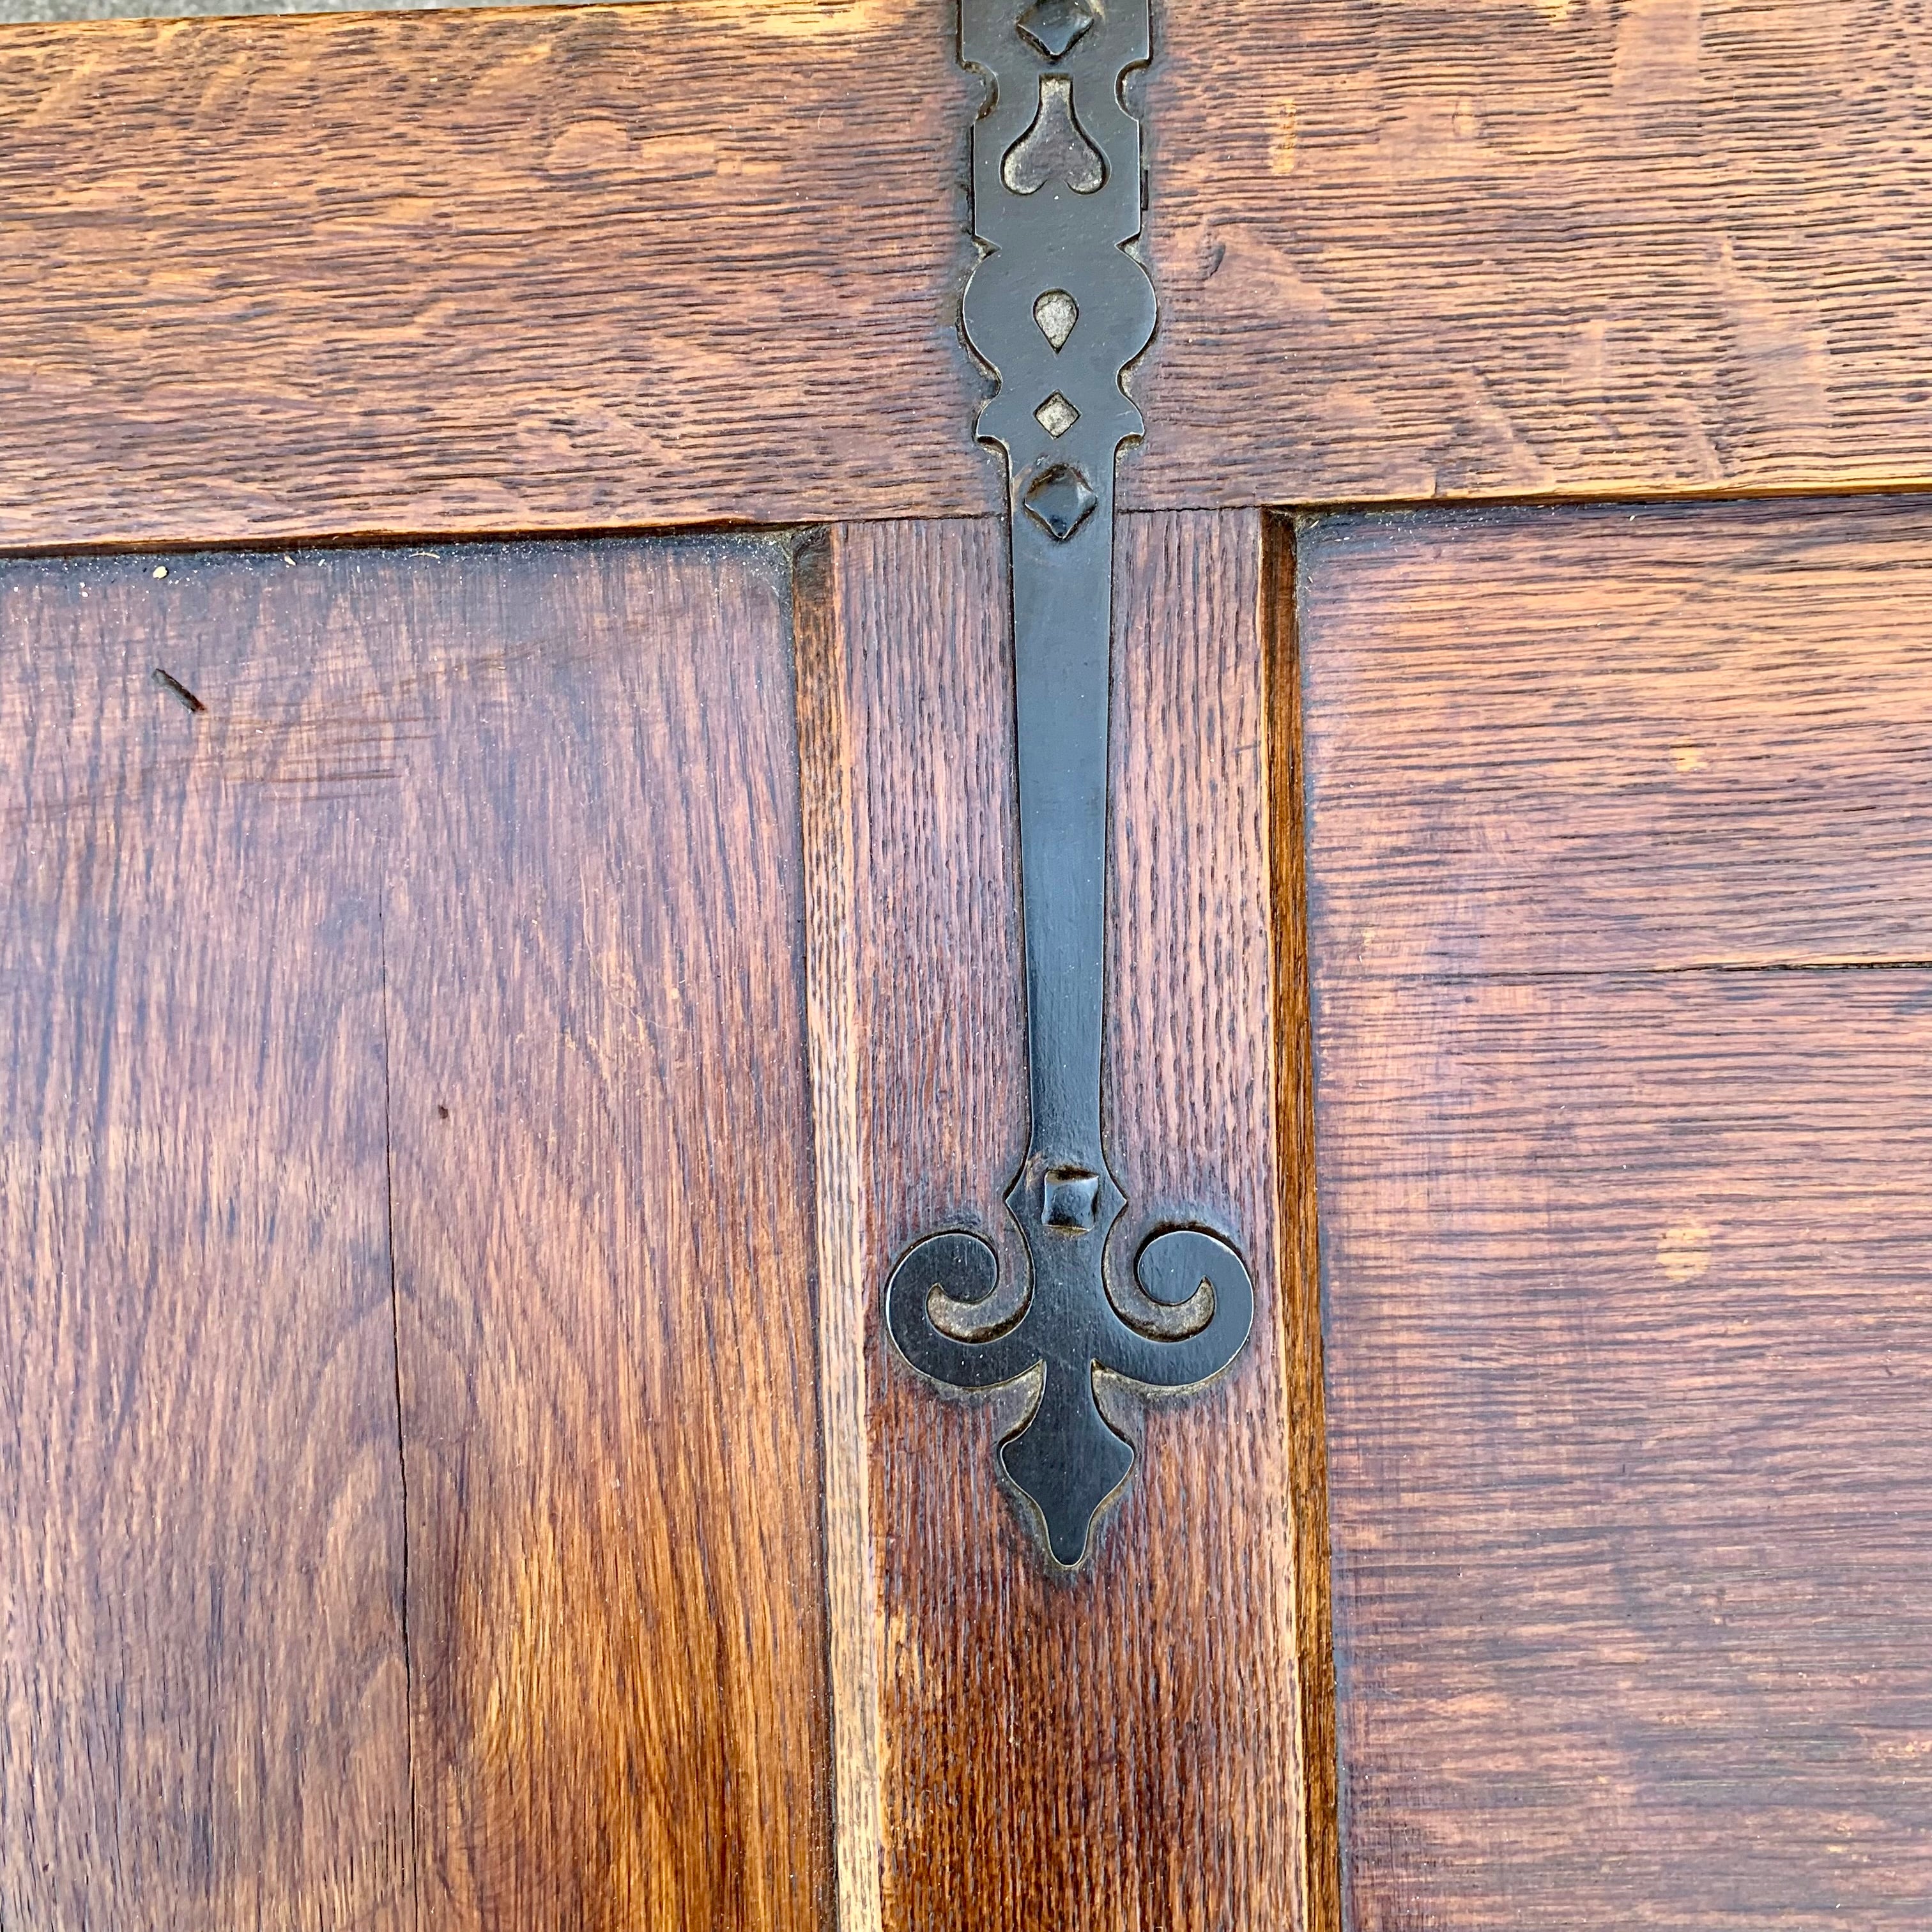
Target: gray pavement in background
(176, 10)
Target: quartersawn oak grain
(1618, 897)
(411, 1460)
(604, 1245)
(1568, 247)
(1126, 1750)
(1593, 740)
(205, 1716)
(485, 272)
(688, 262)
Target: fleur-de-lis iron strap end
(1058, 309)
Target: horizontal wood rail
(588, 269)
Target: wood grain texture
(483, 271)
(1124, 1750)
(202, 1702)
(686, 263)
(604, 1245)
(1624, 1226)
(1567, 246)
(411, 1460)
(1301, 1221)
(1578, 739)
(825, 591)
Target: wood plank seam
(402, 1444)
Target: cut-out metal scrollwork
(1058, 309)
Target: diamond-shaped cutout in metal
(1056, 415)
(1059, 501)
(1054, 25)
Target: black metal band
(1058, 309)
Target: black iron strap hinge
(1058, 309)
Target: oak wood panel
(202, 1667)
(1624, 1226)
(604, 1243)
(684, 262)
(1629, 1316)
(483, 271)
(1470, 248)
(406, 1046)
(1584, 739)
(1124, 1750)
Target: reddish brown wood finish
(1617, 877)
(454, 944)
(1126, 1750)
(1573, 247)
(497, 272)
(205, 1714)
(682, 263)
(1301, 1310)
(603, 1244)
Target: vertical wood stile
(1126, 1748)
(1301, 1265)
(828, 802)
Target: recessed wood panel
(201, 1565)
(603, 1244)
(1126, 1748)
(413, 1482)
(1624, 1223)
(679, 263)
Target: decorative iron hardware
(1058, 309)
